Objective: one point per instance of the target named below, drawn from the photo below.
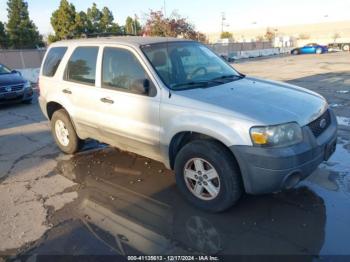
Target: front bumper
(17, 97)
(266, 170)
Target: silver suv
(177, 102)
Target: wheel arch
(180, 139)
(52, 107)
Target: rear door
(128, 103)
(79, 86)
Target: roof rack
(97, 35)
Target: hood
(262, 101)
(11, 79)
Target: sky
(205, 14)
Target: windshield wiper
(230, 77)
(195, 84)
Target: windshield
(184, 65)
(4, 70)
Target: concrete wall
(259, 53)
(25, 61)
(21, 59)
(228, 48)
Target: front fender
(228, 131)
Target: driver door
(129, 103)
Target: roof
(128, 40)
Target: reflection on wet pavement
(128, 204)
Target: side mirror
(16, 72)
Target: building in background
(296, 35)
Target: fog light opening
(292, 180)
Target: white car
(177, 102)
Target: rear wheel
(64, 133)
(319, 51)
(346, 47)
(208, 176)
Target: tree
(157, 24)
(3, 36)
(174, 26)
(269, 35)
(107, 22)
(63, 21)
(94, 16)
(260, 38)
(132, 26)
(226, 35)
(22, 32)
(68, 23)
(81, 23)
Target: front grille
(14, 88)
(316, 126)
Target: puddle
(342, 91)
(344, 121)
(127, 206)
(336, 105)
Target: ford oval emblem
(323, 123)
(8, 89)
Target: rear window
(81, 66)
(53, 60)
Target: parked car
(177, 102)
(13, 87)
(310, 49)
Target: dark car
(310, 49)
(13, 87)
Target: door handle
(107, 100)
(67, 91)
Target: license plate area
(10, 95)
(330, 149)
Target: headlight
(279, 135)
(27, 85)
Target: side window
(53, 60)
(81, 66)
(122, 71)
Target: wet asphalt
(128, 204)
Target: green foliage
(226, 35)
(21, 31)
(94, 16)
(3, 36)
(132, 26)
(63, 21)
(68, 24)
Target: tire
(318, 51)
(295, 52)
(213, 155)
(27, 102)
(73, 142)
(346, 47)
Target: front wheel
(64, 133)
(295, 52)
(318, 51)
(208, 175)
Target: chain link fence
(230, 49)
